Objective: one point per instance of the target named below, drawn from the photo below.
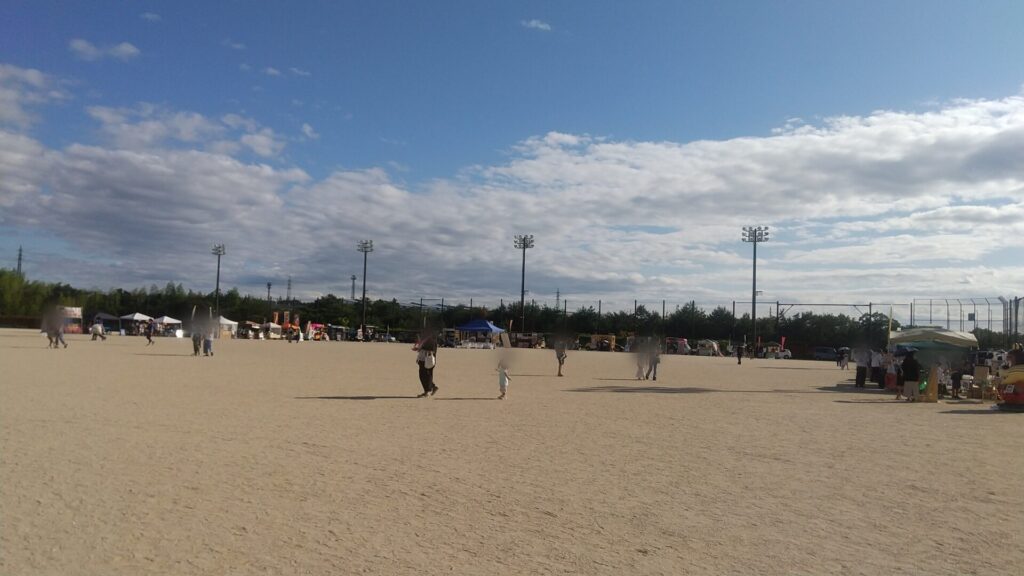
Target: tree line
(22, 303)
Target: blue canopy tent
(480, 325)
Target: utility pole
(754, 235)
(353, 287)
(288, 294)
(19, 261)
(558, 301)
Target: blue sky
(651, 127)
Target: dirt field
(315, 458)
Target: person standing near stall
(911, 376)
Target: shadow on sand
(489, 398)
(641, 389)
(355, 398)
(851, 389)
(982, 411)
(697, 390)
(180, 355)
(796, 368)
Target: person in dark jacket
(911, 376)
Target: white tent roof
(934, 334)
(135, 316)
(225, 322)
(167, 320)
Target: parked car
(824, 353)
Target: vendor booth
(131, 324)
(227, 327)
(934, 348)
(481, 333)
(109, 322)
(167, 326)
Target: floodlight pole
(754, 235)
(218, 251)
(270, 306)
(364, 246)
(522, 242)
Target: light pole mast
(270, 306)
(523, 242)
(218, 251)
(754, 235)
(353, 287)
(364, 246)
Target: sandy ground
(276, 458)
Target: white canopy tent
(228, 325)
(167, 320)
(934, 334)
(137, 317)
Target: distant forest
(22, 303)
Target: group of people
(426, 361)
(202, 339)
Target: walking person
(653, 359)
(641, 361)
(97, 331)
(503, 378)
(739, 354)
(559, 354)
(426, 359)
(148, 331)
(208, 342)
(844, 359)
(197, 340)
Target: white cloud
(264, 142)
(889, 205)
(299, 72)
(536, 25)
(85, 50)
(23, 88)
(232, 44)
(309, 132)
(150, 16)
(270, 71)
(148, 126)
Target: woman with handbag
(426, 358)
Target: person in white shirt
(863, 359)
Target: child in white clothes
(503, 378)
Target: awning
(481, 325)
(934, 334)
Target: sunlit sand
(316, 458)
